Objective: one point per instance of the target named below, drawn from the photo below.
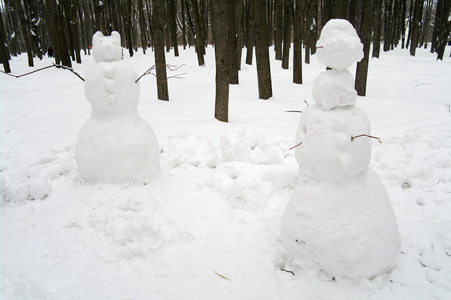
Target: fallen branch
(370, 136)
(298, 111)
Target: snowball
(339, 45)
(38, 188)
(334, 88)
(348, 228)
(327, 152)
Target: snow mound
(334, 89)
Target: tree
(4, 53)
(160, 58)
(288, 13)
(219, 17)
(442, 28)
(262, 51)
(365, 37)
(297, 43)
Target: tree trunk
(297, 44)
(442, 27)
(288, 13)
(377, 28)
(365, 37)
(231, 38)
(199, 39)
(278, 30)
(262, 51)
(219, 18)
(415, 27)
(160, 58)
(4, 54)
(173, 26)
(250, 39)
(25, 32)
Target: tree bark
(219, 18)
(297, 43)
(288, 13)
(160, 58)
(262, 51)
(250, 39)
(377, 28)
(365, 36)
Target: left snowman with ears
(115, 145)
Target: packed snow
(208, 226)
(115, 145)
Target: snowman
(339, 216)
(115, 144)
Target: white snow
(115, 144)
(217, 204)
(339, 45)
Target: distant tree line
(31, 26)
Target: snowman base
(347, 228)
(123, 150)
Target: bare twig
(70, 69)
(295, 146)
(448, 107)
(221, 275)
(370, 136)
(288, 271)
(424, 83)
(37, 70)
(305, 101)
(298, 111)
(170, 67)
(18, 76)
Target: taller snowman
(115, 145)
(339, 216)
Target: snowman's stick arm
(21, 75)
(369, 136)
(37, 70)
(70, 69)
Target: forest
(32, 26)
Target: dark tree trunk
(377, 28)
(278, 28)
(415, 27)
(173, 26)
(219, 18)
(231, 38)
(262, 51)
(365, 37)
(4, 53)
(182, 14)
(250, 39)
(60, 45)
(199, 39)
(160, 58)
(24, 26)
(442, 28)
(288, 13)
(297, 44)
(127, 9)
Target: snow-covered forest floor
(207, 227)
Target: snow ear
(98, 35)
(116, 38)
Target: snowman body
(115, 144)
(339, 215)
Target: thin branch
(370, 136)
(305, 101)
(288, 271)
(295, 146)
(17, 76)
(170, 67)
(448, 107)
(70, 69)
(297, 111)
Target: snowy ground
(208, 226)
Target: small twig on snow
(298, 111)
(288, 271)
(221, 276)
(424, 83)
(370, 136)
(305, 101)
(295, 146)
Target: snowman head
(339, 45)
(107, 48)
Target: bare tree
(262, 51)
